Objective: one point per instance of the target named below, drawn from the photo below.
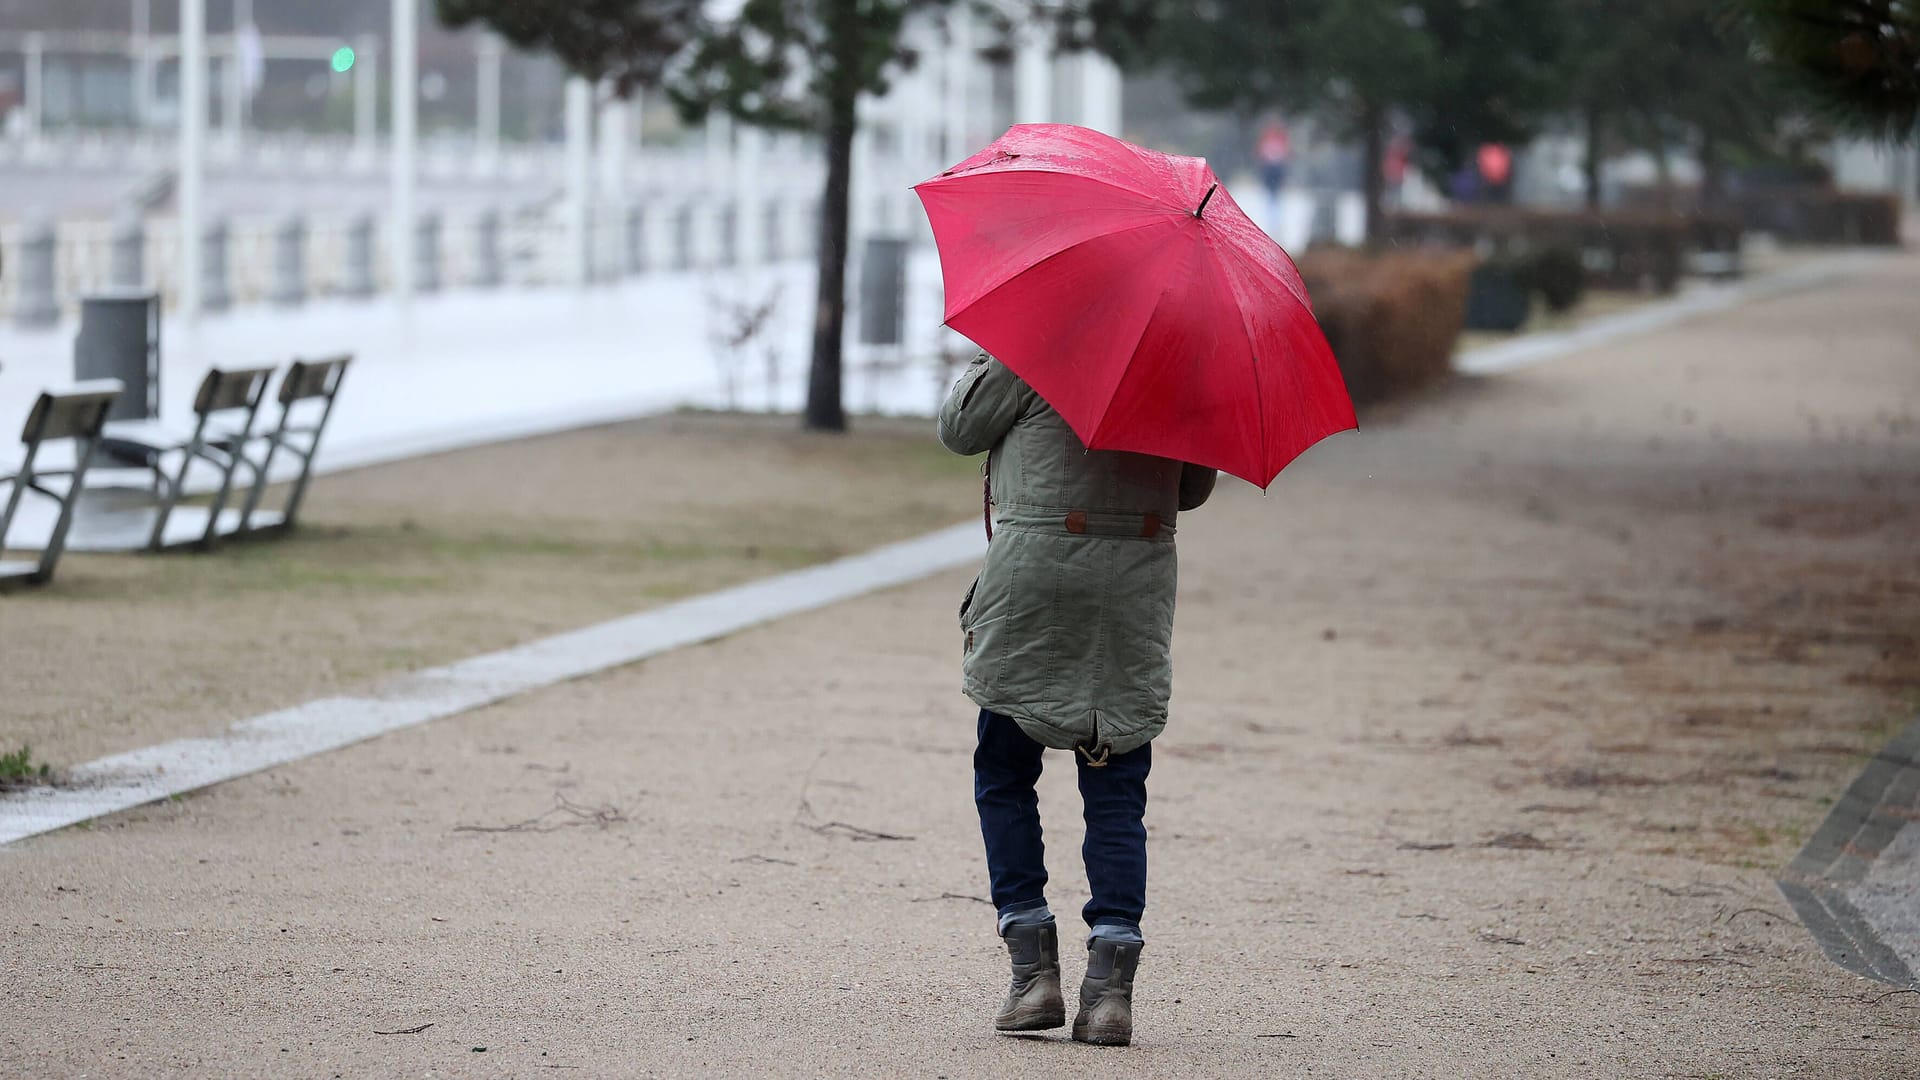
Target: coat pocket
(966, 603)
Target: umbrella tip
(1204, 201)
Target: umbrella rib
(1042, 168)
(1037, 263)
(1134, 353)
(1093, 436)
(1253, 354)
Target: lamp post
(405, 90)
(193, 150)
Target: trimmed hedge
(1816, 215)
(1642, 250)
(1392, 319)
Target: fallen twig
(803, 815)
(1702, 960)
(857, 832)
(1691, 892)
(406, 1031)
(1894, 993)
(565, 814)
(765, 859)
(1763, 911)
(950, 896)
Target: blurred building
(301, 117)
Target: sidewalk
(1493, 723)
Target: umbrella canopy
(1131, 292)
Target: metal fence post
(426, 253)
(290, 261)
(216, 291)
(37, 305)
(359, 278)
(488, 272)
(772, 245)
(637, 239)
(728, 228)
(127, 252)
(683, 238)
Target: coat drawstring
(986, 495)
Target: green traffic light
(343, 58)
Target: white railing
(685, 197)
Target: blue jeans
(1006, 764)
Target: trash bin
(883, 291)
(120, 339)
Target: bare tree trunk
(1662, 162)
(1373, 124)
(1712, 175)
(1596, 139)
(825, 411)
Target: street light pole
(405, 89)
(140, 51)
(193, 150)
(35, 88)
(489, 55)
(233, 88)
(959, 69)
(579, 176)
(366, 99)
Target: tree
(1856, 61)
(628, 42)
(802, 65)
(1463, 71)
(1665, 71)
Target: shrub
(1557, 275)
(1619, 249)
(1392, 319)
(1818, 215)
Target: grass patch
(426, 561)
(18, 770)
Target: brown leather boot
(1033, 999)
(1106, 994)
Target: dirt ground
(418, 564)
(1493, 722)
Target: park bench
(306, 402)
(74, 416)
(225, 408)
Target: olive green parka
(1069, 628)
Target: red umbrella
(1131, 292)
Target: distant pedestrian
(1276, 156)
(1275, 152)
(1067, 637)
(1393, 166)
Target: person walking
(1067, 635)
(1132, 319)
